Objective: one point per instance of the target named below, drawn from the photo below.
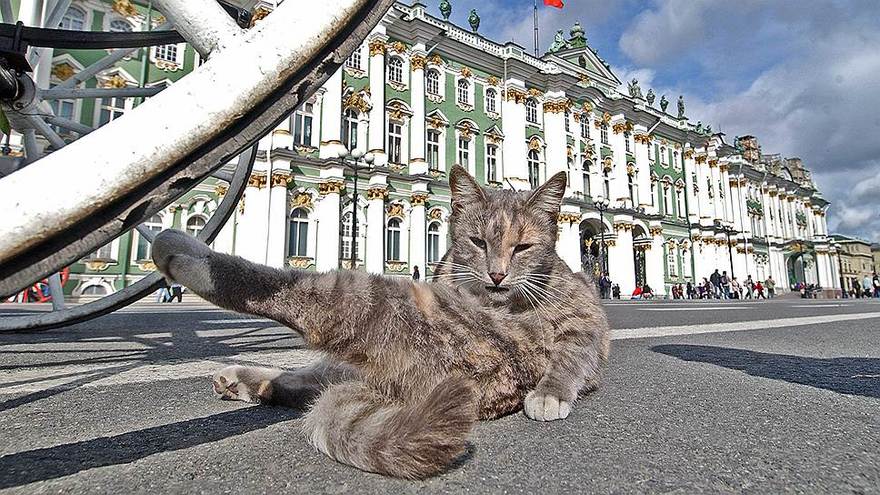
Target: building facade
(856, 261)
(657, 199)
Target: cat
(411, 366)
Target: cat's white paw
(227, 384)
(545, 407)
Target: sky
(801, 75)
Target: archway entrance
(800, 268)
(641, 243)
(591, 253)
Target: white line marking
(820, 305)
(698, 308)
(639, 333)
(239, 320)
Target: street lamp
(727, 229)
(601, 204)
(356, 155)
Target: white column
(376, 134)
(277, 238)
(643, 167)
(568, 244)
(620, 261)
(513, 126)
(253, 223)
(706, 205)
(554, 133)
(654, 261)
(376, 194)
(331, 116)
(717, 202)
(417, 225)
(693, 199)
(729, 199)
(417, 162)
(618, 189)
(327, 253)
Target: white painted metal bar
(57, 13)
(203, 23)
(76, 93)
(6, 11)
(74, 126)
(222, 175)
(111, 58)
(183, 117)
(47, 132)
(148, 234)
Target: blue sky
(802, 75)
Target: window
(167, 53)
(350, 129)
(606, 184)
(74, 19)
(395, 140)
(111, 109)
(194, 225)
(531, 111)
(586, 177)
(302, 125)
(433, 150)
(395, 70)
(633, 189)
(685, 263)
(675, 161)
(434, 242)
(534, 169)
(667, 199)
(491, 95)
(348, 240)
(120, 26)
(679, 203)
(432, 82)
(354, 61)
(671, 262)
(604, 133)
(626, 137)
(298, 233)
(464, 152)
(663, 157)
(154, 225)
(585, 126)
(567, 117)
(653, 193)
(104, 252)
(392, 241)
(95, 290)
(492, 163)
(464, 90)
(66, 109)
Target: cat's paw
(228, 385)
(545, 407)
(170, 243)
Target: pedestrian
(615, 291)
(690, 290)
(857, 289)
(750, 287)
(637, 293)
(163, 294)
(715, 280)
(867, 286)
(770, 285)
(725, 284)
(760, 290)
(176, 292)
(416, 275)
(735, 289)
(647, 293)
(876, 286)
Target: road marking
(820, 305)
(696, 308)
(640, 333)
(239, 320)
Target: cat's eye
(478, 242)
(521, 247)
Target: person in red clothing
(637, 294)
(759, 288)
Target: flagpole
(536, 28)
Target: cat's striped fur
(411, 366)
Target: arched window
(667, 200)
(464, 92)
(492, 163)
(348, 240)
(585, 126)
(350, 129)
(534, 169)
(95, 290)
(567, 117)
(663, 158)
(491, 95)
(302, 125)
(626, 136)
(582, 61)
(606, 183)
(604, 133)
(633, 189)
(194, 225)
(395, 70)
(675, 161)
(586, 177)
(432, 146)
(298, 233)
(434, 254)
(74, 19)
(354, 61)
(679, 203)
(120, 26)
(464, 151)
(392, 241)
(395, 142)
(432, 82)
(531, 111)
(154, 225)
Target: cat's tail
(355, 425)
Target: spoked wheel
(106, 183)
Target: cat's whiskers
(547, 300)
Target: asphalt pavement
(761, 397)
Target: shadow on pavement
(54, 462)
(845, 375)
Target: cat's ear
(465, 190)
(548, 198)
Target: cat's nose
(497, 277)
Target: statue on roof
(650, 96)
(699, 128)
(445, 9)
(663, 103)
(709, 130)
(474, 20)
(680, 106)
(634, 90)
(578, 39)
(559, 42)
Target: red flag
(554, 3)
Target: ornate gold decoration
(396, 112)
(221, 189)
(630, 169)
(642, 138)
(584, 79)
(97, 265)
(713, 162)
(356, 101)
(115, 81)
(700, 158)
(300, 262)
(557, 106)
(396, 266)
(492, 80)
(301, 199)
(465, 72)
(688, 153)
(515, 95)
(398, 46)
(568, 218)
(607, 164)
(377, 47)
(723, 167)
(63, 71)
(436, 123)
(772, 192)
(257, 179)
(622, 127)
(417, 62)
(146, 265)
(618, 226)
(418, 199)
(655, 230)
(644, 246)
(435, 214)
(281, 178)
(587, 106)
(332, 186)
(464, 131)
(259, 15)
(124, 8)
(535, 93)
(395, 210)
(377, 193)
(534, 144)
(435, 60)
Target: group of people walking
(869, 287)
(721, 286)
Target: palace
(653, 196)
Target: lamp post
(727, 229)
(601, 204)
(356, 155)
(839, 248)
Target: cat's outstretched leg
(295, 389)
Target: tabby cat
(411, 366)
